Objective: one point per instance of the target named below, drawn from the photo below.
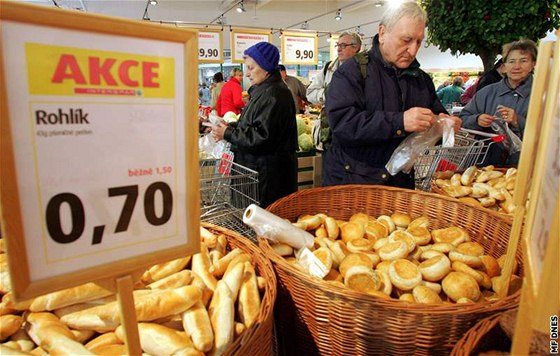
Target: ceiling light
(338, 15)
(378, 3)
(240, 7)
(153, 2)
(304, 26)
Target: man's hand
(456, 121)
(418, 119)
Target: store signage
(332, 46)
(210, 46)
(243, 39)
(96, 147)
(299, 48)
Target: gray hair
(410, 9)
(354, 36)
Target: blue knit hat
(265, 54)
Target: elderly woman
(509, 98)
(265, 137)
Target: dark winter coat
(265, 138)
(366, 119)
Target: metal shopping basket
(226, 189)
(469, 150)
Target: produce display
(305, 127)
(483, 187)
(188, 306)
(401, 258)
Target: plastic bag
(512, 142)
(404, 156)
(208, 147)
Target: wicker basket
(486, 335)
(314, 317)
(258, 339)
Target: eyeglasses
(344, 45)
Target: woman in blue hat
(265, 137)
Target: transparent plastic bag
(512, 142)
(404, 156)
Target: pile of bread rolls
(188, 306)
(401, 258)
(482, 187)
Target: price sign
(95, 150)
(332, 46)
(243, 39)
(210, 46)
(299, 48)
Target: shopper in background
(204, 94)
(265, 137)
(296, 87)
(508, 98)
(370, 117)
(451, 93)
(216, 88)
(492, 76)
(445, 83)
(347, 46)
(231, 98)
(470, 91)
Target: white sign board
(332, 46)
(210, 46)
(98, 135)
(243, 39)
(299, 48)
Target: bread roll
(404, 274)
(165, 269)
(221, 314)
(208, 237)
(196, 323)
(374, 230)
(362, 278)
(332, 228)
(386, 284)
(249, 304)
(407, 297)
(219, 268)
(234, 278)
(201, 266)
(422, 221)
(360, 218)
(453, 235)
(354, 259)
(457, 191)
(380, 243)
(360, 245)
(458, 285)
(9, 351)
(405, 236)
(435, 268)
(109, 338)
(351, 231)
(425, 295)
(176, 280)
(444, 174)
(9, 324)
(420, 234)
(468, 175)
(401, 220)
(324, 255)
(388, 222)
(321, 232)
(490, 266)
(6, 309)
(436, 287)
(110, 350)
(487, 175)
(311, 222)
(157, 304)
(46, 330)
(282, 249)
(393, 251)
(156, 339)
(82, 336)
(242, 258)
(455, 180)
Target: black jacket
(265, 138)
(366, 119)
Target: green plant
(481, 27)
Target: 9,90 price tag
(299, 48)
(210, 46)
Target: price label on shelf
(298, 48)
(210, 46)
(99, 140)
(243, 39)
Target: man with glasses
(370, 115)
(231, 95)
(347, 46)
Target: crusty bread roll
(490, 266)
(361, 218)
(351, 231)
(162, 270)
(220, 268)
(405, 236)
(9, 351)
(9, 301)
(425, 295)
(332, 228)
(242, 258)
(401, 220)
(196, 323)
(151, 306)
(455, 180)
(46, 330)
(362, 278)
(407, 297)
(435, 268)
(333, 275)
(468, 175)
(360, 245)
(207, 236)
(436, 287)
(386, 284)
(374, 230)
(468, 253)
(321, 232)
(6, 309)
(9, 324)
(458, 285)
(404, 274)
(380, 243)
(283, 249)
(311, 222)
(421, 221)
(487, 175)
(420, 234)
(383, 266)
(110, 350)
(464, 268)
(82, 336)
(324, 255)
(109, 338)
(354, 259)
(457, 191)
(201, 266)
(249, 304)
(234, 278)
(221, 314)
(453, 235)
(444, 174)
(339, 252)
(156, 339)
(393, 251)
(388, 222)
(176, 280)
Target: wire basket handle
(494, 137)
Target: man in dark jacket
(370, 117)
(265, 138)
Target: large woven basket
(314, 317)
(258, 339)
(486, 335)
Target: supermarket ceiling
(315, 15)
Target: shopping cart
(226, 189)
(469, 150)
